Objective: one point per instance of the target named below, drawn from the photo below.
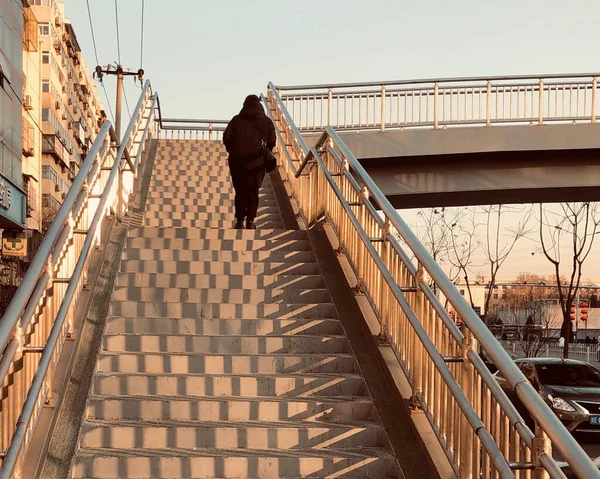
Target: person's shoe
(250, 225)
(239, 225)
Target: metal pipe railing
(443, 102)
(437, 357)
(93, 192)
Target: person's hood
(252, 111)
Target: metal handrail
(553, 76)
(312, 206)
(444, 102)
(191, 128)
(54, 249)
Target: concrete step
(241, 245)
(205, 267)
(191, 207)
(200, 204)
(217, 224)
(223, 310)
(150, 362)
(157, 196)
(249, 386)
(239, 257)
(189, 436)
(229, 234)
(226, 345)
(142, 408)
(191, 215)
(159, 191)
(219, 281)
(214, 181)
(204, 464)
(213, 326)
(214, 295)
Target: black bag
(268, 158)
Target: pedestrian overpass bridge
(150, 339)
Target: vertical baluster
(594, 93)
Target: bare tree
(48, 215)
(501, 239)
(461, 228)
(573, 227)
(529, 307)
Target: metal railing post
(541, 445)
(436, 105)
(541, 102)
(383, 95)
(488, 104)
(594, 92)
(417, 379)
(329, 105)
(467, 445)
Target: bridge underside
(468, 166)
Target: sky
(204, 57)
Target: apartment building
(49, 116)
(12, 195)
(71, 113)
(32, 130)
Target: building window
(43, 3)
(48, 173)
(495, 296)
(44, 29)
(462, 291)
(45, 114)
(46, 57)
(46, 86)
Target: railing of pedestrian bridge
(40, 318)
(441, 103)
(480, 430)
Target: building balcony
(28, 143)
(51, 145)
(30, 30)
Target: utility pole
(121, 74)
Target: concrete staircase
(223, 356)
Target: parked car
(570, 387)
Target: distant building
(71, 110)
(50, 114)
(12, 195)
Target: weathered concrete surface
(57, 461)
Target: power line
(118, 37)
(98, 61)
(126, 102)
(142, 38)
(92, 29)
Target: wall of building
(71, 111)
(11, 79)
(32, 121)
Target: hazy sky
(205, 56)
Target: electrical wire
(118, 36)
(142, 38)
(97, 60)
(126, 102)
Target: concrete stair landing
(223, 355)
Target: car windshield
(570, 375)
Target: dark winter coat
(239, 127)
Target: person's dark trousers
(254, 181)
(239, 185)
(247, 185)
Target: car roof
(551, 361)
